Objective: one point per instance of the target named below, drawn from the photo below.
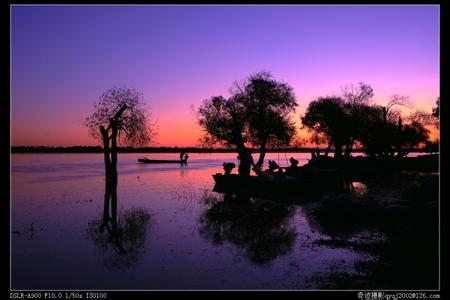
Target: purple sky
(64, 57)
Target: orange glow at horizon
(171, 132)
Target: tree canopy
(326, 116)
(224, 121)
(257, 113)
(125, 109)
(436, 109)
(342, 121)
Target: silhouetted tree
(327, 116)
(341, 119)
(432, 146)
(412, 136)
(422, 117)
(269, 104)
(380, 139)
(317, 138)
(360, 95)
(395, 100)
(372, 132)
(119, 117)
(435, 112)
(257, 113)
(436, 109)
(225, 121)
(354, 118)
(357, 100)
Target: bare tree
(119, 117)
(435, 112)
(362, 94)
(421, 116)
(395, 100)
(356, 101)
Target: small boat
(161, 161)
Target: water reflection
(120, 246)
(119, 238)
(260, 228)
(183, 170)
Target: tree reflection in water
(260, 228)
(120, 243)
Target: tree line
(259, 115)
(130, 149)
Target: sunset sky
(64, 57)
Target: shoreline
(98, 149)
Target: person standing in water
(182, 155)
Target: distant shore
(98, 149)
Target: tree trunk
(114, 174)
(244, 161)
(399, 138)
(349, 147)
(107, 161)
(114, 157)
(262, 154)
(384, 115)
(330, 143)
(337, 150)
(110, 159)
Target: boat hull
(276, 186)
(160, 161)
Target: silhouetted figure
(182, 154)
(294, 162)
(185, 157)
(294, 165)
(245, 162)
(273, 166)
(228, 167)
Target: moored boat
(160, 161)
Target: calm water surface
(187, 237)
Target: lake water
(187, 237)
